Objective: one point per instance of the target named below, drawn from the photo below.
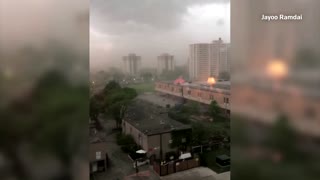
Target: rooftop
(222, 87)
(97, 147)
(151, 119)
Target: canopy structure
(185, 156)
(141, 151)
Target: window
(170, 141)
(183, 140)
(130, 130)
(199, 94)
(211, 97)
(226, 100)
(189, 92)
(98, 155)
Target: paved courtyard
(199, 173)
(121, 167)
(158, 99)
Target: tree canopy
(214, 110)
(113, 101)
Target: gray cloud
(119, 16)
(151, 27)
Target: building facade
(98, 157)
(208, 59)
(198, 92)
(132, 64)
(165, 63)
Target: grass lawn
(144, 87)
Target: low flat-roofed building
(200, 92)
(151, 128)
(98, 156)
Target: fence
(175, 166)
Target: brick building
(151, 128)
(200, 92)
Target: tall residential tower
(132, 64)
(208, 59)
(165, 63)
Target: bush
(127, 143)
(181, 117)
(123, 139)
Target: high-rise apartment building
(132, 64)
(165, 63)
(208, 59)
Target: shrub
(124, 139)
(181, 117)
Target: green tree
(117, 110)
(96, 106)
(111, 86)
(200, 134)
(116, 100)
(214, 110)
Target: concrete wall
(149, 143)
(129, 129)
(154, 142)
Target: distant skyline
(150, 28)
